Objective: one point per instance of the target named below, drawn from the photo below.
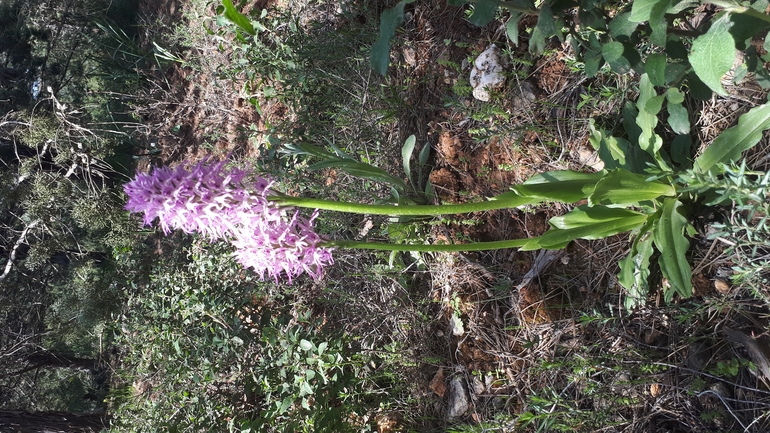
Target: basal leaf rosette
(215, 201)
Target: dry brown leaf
(438, 383)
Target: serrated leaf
(735, 140)
(238, 18)
(389, 22)
(587, 222)
(669, 239)
(406, 156)
(622, 187)
(562, 185)
(713, 54)
(483, 12)
(635, 270)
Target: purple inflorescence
(213, 201)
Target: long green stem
(508, 200)
(476, 246)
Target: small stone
(722, 286)
(487, 73)
(655, 389)
(456, 325)
(458, 399)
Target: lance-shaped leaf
(733, 141)
(389, 21)
(586, 222)
(406, 156)
(621, 186)
(635, 268)
(238, 18)
(713, 54)
(563, 185)
(669, 238)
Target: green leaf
(668, 235)
(544, 29)
(406, 156)
(586, 222)
(733, 141)
(322, 347)
(647, 119)
(371, 172)
(622, 187)
(483, 12)
(622, 28)
(512, 27)
(389, 21)
(635, 269)
(655, 67)
(305, 345)
(713, 54)
(644, 10)
(612, 150)
(563, 185)
(678, 117)
(238, 18)
(680, 151)
(613, 53)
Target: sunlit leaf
(238, 18)
(733, 141)
(563, 185)
(713, 54)
(621, 186)
(635, 270)
(668, 235)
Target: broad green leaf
(586, 222)
(680, 151)
(655, 67)
(305, 345)
(544, 29)
(593, 61)
(647, 118)
(512, 27)
(745, 27)
(621, 27)
(322, 347)
(713, 54)
(622, 187)
(678, 118)
(612, 150)
(563, 185)
(613, 53)
(406, 156)
(733, 141)
(238, 18)
(658, 23)
(644, 10)
(668, 235)
(635, 270)
(483, 12)
(389, 21)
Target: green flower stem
(476, 246)
(509, 201)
